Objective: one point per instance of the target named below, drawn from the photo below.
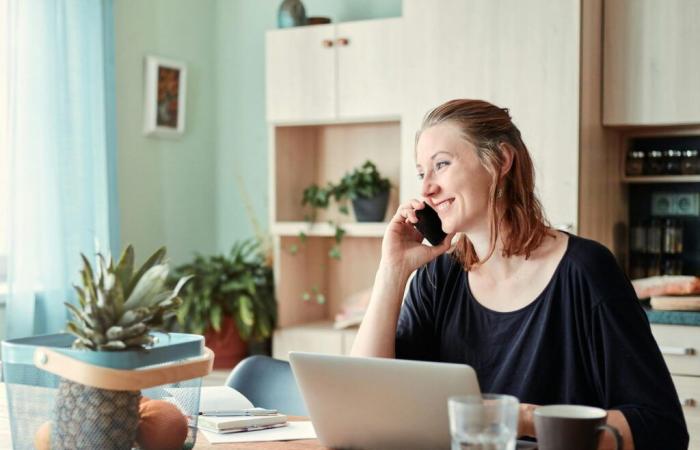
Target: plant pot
(371, 209)
(228, 347)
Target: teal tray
(168, 347)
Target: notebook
(222, 424)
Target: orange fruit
(42, 438)
(161, 426)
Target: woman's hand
(526, 420)
(402, 247)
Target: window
(4, 150)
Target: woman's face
(453, 180)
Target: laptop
(379, 403)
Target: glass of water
(483, 422)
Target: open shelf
(353, 229)
(318, 154)
(662, 179)
(309, 267)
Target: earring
(499, 193)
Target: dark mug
(572, 427)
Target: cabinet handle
(679, 351)
(689, 402)
(343, 41)
(327, 43)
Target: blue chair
(268, 383)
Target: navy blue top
(584, 340)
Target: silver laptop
(378, 403)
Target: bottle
(690, 164)
(673, 237)
(638, 238)
(635, 163)
(654, 237)
(654, 162)
(672, 162)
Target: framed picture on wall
(164, 97)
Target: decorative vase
(228, 347)
(291, 14)
(371, 209)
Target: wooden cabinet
(302, 155)
(318, 337)
(539, 58)
(327, 72)
(680, 346)
(521, 55)
(650, 62)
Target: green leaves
(239, 284)
(117, 307)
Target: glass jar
(654, 237)
(690, 163)
(672, 162)
(673, 237)
(635, 163)
(638, 238)
(654, 162)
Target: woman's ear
(508, 155)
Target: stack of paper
(233, 424)
(225, 410)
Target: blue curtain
(61, 138)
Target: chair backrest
(268, 383)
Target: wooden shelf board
(366, 229)
(663, 179)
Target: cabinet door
(688, 389)
(519, 55)
(300, 72)
(368, 68)
(650, 62)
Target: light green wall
(242, 131)
(183, 193)
(167, 188)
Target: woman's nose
(428, 186)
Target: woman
(539, 314)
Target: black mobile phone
(429, 225)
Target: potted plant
(364, 186)
(230, 300)
(368, 191)
(118, 308)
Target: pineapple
(118, 309)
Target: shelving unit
(662, 179)
(301, 155)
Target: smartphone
(429, 225)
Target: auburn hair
(513, 209)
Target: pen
(240, 412)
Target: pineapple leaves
(109, 319)
(125, 266)
(155, 258)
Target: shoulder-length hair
(513, 207)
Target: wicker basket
(38, 368)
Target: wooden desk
(202, 443)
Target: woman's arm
(617, 419)
(377, 333)
(402, 253)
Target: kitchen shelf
(662, 179)
(352, 229)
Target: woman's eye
(419, 176)
(440, 164)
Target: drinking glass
(483, 422)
